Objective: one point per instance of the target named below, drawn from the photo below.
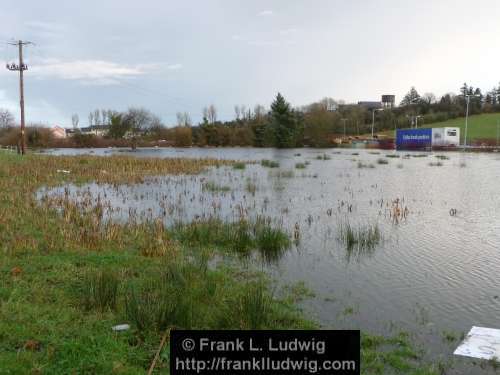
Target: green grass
(67, 277)
(239, 238)
(483, 126)
(100, 289)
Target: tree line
(318, 124)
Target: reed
(250, 186)
(271, 243)
(364, 165)
(124, 280)
(214, 187)
(269, 163)
(239, 165)
(255, 307)
(100, 290)
(323, 157)
(362, 237)
(241, 237)
(300, 165)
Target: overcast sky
(172, 56)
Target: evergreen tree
(284, 123)
(412, 97)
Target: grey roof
(370, 104)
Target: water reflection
(426, 257)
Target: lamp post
(467, 96)
(416, 120)
(498, 131)
(344, 120)
(373, 119)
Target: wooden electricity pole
(21, 68)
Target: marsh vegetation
(100, 237)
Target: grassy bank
(67, 277)
(480, 127)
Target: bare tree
(6, 118)
(75, 120)
(328, 104)
(210, 114)
(91, 118)
(237, 112)
(429, 98)
(259, 112)
(97, 117)
(244, 112)
(104, 117)
(183, 119)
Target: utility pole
(21, 68)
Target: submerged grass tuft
(239, 165)
(364, 237)
(363, 165)
(241, 237)
(323, 157)
(300, 165)
(269, 163)
(214, 187)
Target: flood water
(435, 270)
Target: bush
(183, 136)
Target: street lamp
(373, 118)
(416, 120)
(344, 120)
(467, 115)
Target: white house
(58, 132)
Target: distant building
(370, 105)
(58, 132)
(97, 130)
(388, 101)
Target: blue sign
(411, 139)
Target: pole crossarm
(16, 67)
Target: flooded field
(432, 267)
